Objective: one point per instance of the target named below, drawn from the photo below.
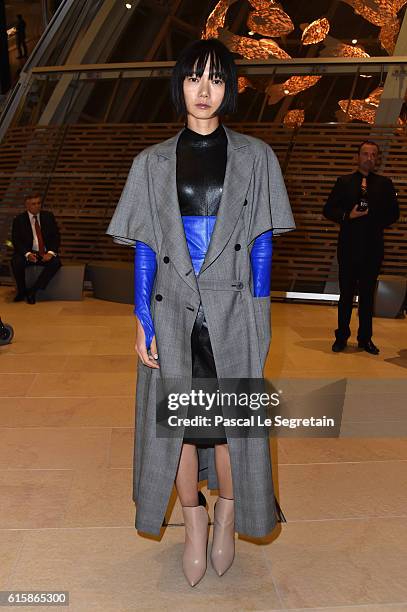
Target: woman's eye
(217, 81)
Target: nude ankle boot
(196, 542)
(223, 543)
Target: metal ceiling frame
(296, 66)
(392, 98)
(395, 65)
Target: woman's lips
(202, 105)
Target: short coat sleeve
(133, 218)
(270, 207)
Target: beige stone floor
(67, 386)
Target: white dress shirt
(35, 246)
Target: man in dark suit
(36, 241)
(360, 243)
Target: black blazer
(363, 235)
(22, 235)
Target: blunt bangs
(193, 60)
(215, 66)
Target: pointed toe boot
(196, 543)
(223, 543)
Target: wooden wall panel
(81, 169)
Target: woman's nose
(203, 89)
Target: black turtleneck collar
(218, 135)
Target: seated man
(36, 241)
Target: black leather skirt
(203, 366)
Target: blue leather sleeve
(198, 233)
(145, 267)
(260, 258)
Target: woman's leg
(223, 470)
(223, 543)
(186, 481)
(195, 516)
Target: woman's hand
(141, 348)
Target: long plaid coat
(254, 200)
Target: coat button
(166, 259)
(239, 285)
(158, 297)
(237, 247)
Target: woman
(200, 208)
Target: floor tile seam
(345, 375)
(30, 386)
(64, 528)
(75, 427)
(38, 318)
(61, 371)
(376, 421)
(68, 496)
(280, 463)
(64, 427)
(180, 525)
(6, 470)
(403, 438)
(73, 469)
(75, 397)
(17, 559)
(365, 517)
(68, 396)
(348, 607)
(109, 448)
(269, 565)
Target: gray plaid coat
(254, 200)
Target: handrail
(324, 65)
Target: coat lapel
(239, 168)
(165, 190)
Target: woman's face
(202, 95)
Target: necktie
(41, 247)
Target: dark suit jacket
(362, 236)
(22, 235)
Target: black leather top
(201, 165)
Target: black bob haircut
(221, 65)
(369, 142)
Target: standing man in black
(36, 241)
(360, 243)
(20, 37)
